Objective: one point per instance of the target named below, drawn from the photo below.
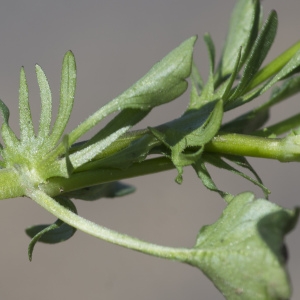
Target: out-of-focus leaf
(289, 87)
(242, 253)
(248, 122)
(106, 190)
(52, 233)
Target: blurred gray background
(116, 42)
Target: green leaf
(242, 253)
(285, 72)
(202, 172)
(106, 136)
(274, 66)
(8, 136)
(243, 162)
(289, 87)
(46, 103)
(162, 84)
(136, 151)
(208, 90)
(106, 190)
(248, 122)
(67, 93)
(102, 144)
(69, 165)
(27, 134)
(243, 30)
(194, 128)
(257, 55)
(225, 88)
(52, 233)
(196, 79)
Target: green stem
(224, 143)
(64, 214)
(284, 149)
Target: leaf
(67, 93)
(196, 79)
(225, 89)
(69, 165)
(8, 136)
(163, 83)
(106, 190)
(285, 72)
(46, 103)
(242, 252)
(27, 134)
(241, 161)
(248, 122)
(136, 151)
(106, 136)
(208, 90)
(202, 172)
(242, 33)
(289, 87)
(274, 66)
(257, 55)
(194, 128)
(52, 233)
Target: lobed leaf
(243, 251)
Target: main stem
(223, 143)
(246, 145)
(284, 149)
